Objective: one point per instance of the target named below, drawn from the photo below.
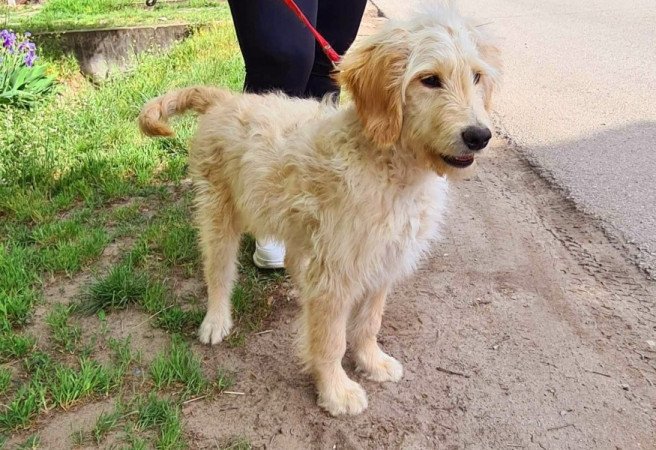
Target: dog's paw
(346, 397)
(214, 329)
(383, 368)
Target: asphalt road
(579, 99)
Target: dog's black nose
(476, 138)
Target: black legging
(280, 53)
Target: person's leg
(337, 21)
(278, 53)
(278, 50)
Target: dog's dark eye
(477, 77)
(432, 82)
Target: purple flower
(29, 59)
(29, 49)
(8, 39)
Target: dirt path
(527, 329)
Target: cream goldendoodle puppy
(355, 193)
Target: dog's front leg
(363, 329)
(323, 347)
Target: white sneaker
(269, 255)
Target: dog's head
(426, 84)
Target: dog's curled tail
(154, 116)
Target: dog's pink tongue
(465, 158)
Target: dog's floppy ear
(491, 55)
(373, 74)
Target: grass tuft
(122, 287)
(179, 365)
(163, 415)
(5, 379)
(15, 345)
(106, 422)
(29, 400)
(32, 442)
(68, 385)
(66, 336)
(124, 356)
(176, 320)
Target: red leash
(325, 46)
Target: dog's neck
(401, 163)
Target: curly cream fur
(355, 193)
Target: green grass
(32, 442)
(179, 366)
(163, 415)
(15, 346)
(5, 379)
(82, 14)
(124, 355)
(139, 417)
(65, 336)
(89, 148)
(120, 288)
(76, 176)
(106, 422)
(65, 246)
(18, 285)
(28, 401)
(67, 385)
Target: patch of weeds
(18, 277)
(16, 307)
(37, 362)
(127, 214)
(155, 298)
(173, 239)
(68, 385)
(106, 422)
(32, 442)
(180, 244)
(224, 380)
(104, 326)
(163, 415)
(124, 356)
(67, 245)
(143, 414)
(122, 287)
(249, 295)
(235, 339)
(28, 401)
(78, 438)
(66, 336)
(5, 379)
(175, 320)
(135, 442)
(179, 365)
(237, 443)
(15, 345)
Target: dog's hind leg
(219, 240)
(323, 344)
(363, 328)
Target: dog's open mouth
(459, 161)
